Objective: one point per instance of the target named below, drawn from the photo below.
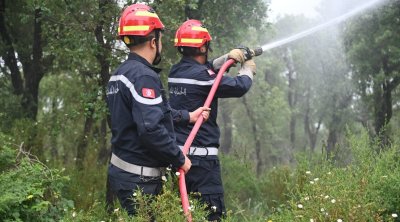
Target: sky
(282, 7)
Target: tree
(373, 48)
(24, 40)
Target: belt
(202, 151)
(135, 169)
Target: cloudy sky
(281, 7)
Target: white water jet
(310, 31)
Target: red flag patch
(211, 72)
(148, 93)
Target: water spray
(248, 55)
(317, 28)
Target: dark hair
(134, 40)
(193, 51)
(189, 51)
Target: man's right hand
(186, 166)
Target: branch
(32, 158)
(9, 59)
(394, 83)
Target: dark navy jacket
(141, 117)
(189, 83)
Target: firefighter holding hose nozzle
(189, 84)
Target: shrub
(30, 191)
(364, 190)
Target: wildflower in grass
(168, 168)
(300, 206)
(164, 178)
(394, 215)
(269, 221)
(326, 197)
(308, 172)
(322, 209)
(312, 182)
(333, 201)
(316, 179)
(384, 176)
(74, 214)
(306, 198)
(329, 173)
(312, 220)
(116, 209)
(339, 220)
(177, 173)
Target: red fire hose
(185, 150)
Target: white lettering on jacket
(112, 90)
(177, 91)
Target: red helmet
(192, 34)
(139, 20)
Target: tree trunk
(226, 140)
(309, 128)
(103, 57)
(331, 142)
(292, 95)
(257, 141)
(33, 69)
(9, 58)
(104, 151)
(84, 140)
(54, 128)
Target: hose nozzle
(250, 53)
(256, 52)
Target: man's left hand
(205, 112)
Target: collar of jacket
(136, 57)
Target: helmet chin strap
(157, 58)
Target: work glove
(237, 55)
(248, 69)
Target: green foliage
(252, 198)
(365, 190)
(30, 190)
(164, 207)
(373, 47)
(10, 108)
(167, 206)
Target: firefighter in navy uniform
(143, 137)
(189, 83)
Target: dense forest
(315, 139)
